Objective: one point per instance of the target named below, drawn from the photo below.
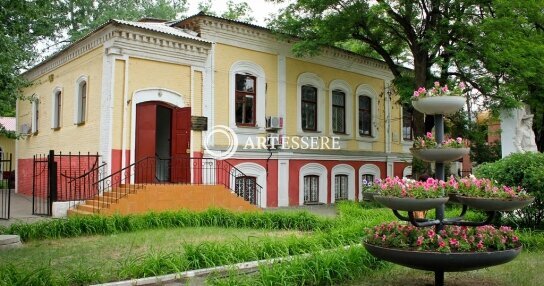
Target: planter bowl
(494, 204)
(440, 154)
(438, 261)
(410, 204)
(369, 196)
(439, 104)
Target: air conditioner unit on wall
(25, 129)
(274, 122)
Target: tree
(24, 22)
(85, 15)
(235, 11)
(433, 37)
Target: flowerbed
(407, 188)
(483, 188)
(438, 90)
(450, 239)
(429, 141)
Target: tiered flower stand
(437, 261)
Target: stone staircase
(131, 199)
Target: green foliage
(91, 225)
(24, 22)
(525, 170)
(235, 11)
(324, 268)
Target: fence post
(52, 179)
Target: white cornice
(261, 39)
(124, 39)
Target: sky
(260, 8)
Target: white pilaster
(282, 90)
(283, 183)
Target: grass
(525, 270)
(114, 253)
(101, 249)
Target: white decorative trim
(387, 114)
(208, 90)
(125, 107)
(77, 98)
(407, 171)
(106, 107)
(367, 90)
(247, 67)
(263, 40)
(283, 183)
(54, 106)
(313, 169)
(282, 91)
(342, 85)
(258, 171)
(367, 169)
(314, 80)
(150, 94)
(343, 169)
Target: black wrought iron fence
(7, 183)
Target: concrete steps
(131, 199)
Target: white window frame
(344, 86)
(35, 114)
(317, 170)
(247, 67)
(367, 169)
(259, 172)
(315, 81)
(343, 169)
(54, 107)
(78, 119)
(367, 90)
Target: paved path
(21, 210)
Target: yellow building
(133, 90)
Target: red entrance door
(146, 143)
(146, 129)
(181, 138)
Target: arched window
(311, 189)
(365, 116)
(341, 187)
(309, 108)
(245, 101)
(246, 187)
(407, 123)
(338, 111)
(80, 114)
(57, 109)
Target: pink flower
(436, 83)
(445, 88)
(384, 237)
(421, 90)
(459, 140)
(454, 242)
(416, 94)
(420, 240)
(431, 233)
(462, 85)
(429, 135)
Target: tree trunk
(420, 70)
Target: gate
(42, 203)
(63, 178)
(7, 183)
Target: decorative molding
(262, 39)
(367, 90)
(258, 171)
(247, 67)
(339, 84)
(317, 170)
(343, 169)
(123, 39)
(314, 80)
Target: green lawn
(525, 270)
(110, 251)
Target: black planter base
(443, 262)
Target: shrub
(525, 170)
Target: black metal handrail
(174, 170)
